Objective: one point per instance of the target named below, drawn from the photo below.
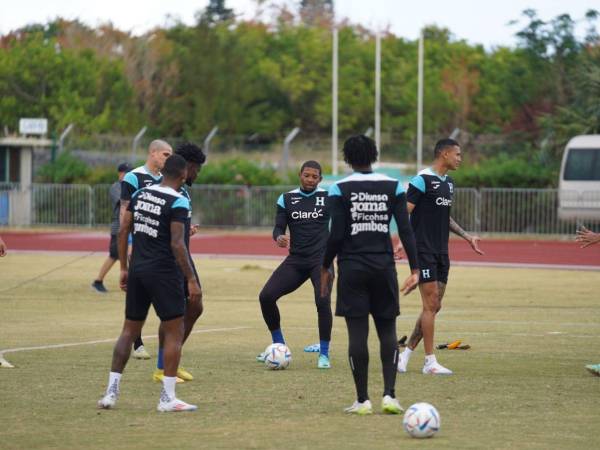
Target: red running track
(497, 251)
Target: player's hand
(587, 237)
(2, 248)
(410, 283)
(194, 229)
(474, 243)
(123, 280)
(326, 282)
(194, 290)
(399, 252)
(283, 241)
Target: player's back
(153, 209)
(368, 201)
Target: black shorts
(434, 267)
(364, 290)
(163, 291)
(113, 251)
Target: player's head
(194, 157)
(360, 151)
(175, 171)
(122, 169)
(158, 152)
(310, 175)
(448, 152)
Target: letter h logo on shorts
(425, 273)
(320, 201)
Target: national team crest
(320, 201)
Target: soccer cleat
(314, 348)
(98, 286)
(436, 369)
(159, 374)
(402, 363)
(593, 369)
(140, 353)
(184, 374)
(362, 409)
(262, 356)
(390, 405)
(323, 362)
(175, 405)
(108, 401)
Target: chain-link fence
(512, 211)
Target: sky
(477, 21)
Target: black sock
(138, 343)
(358, 354)
(388, 349)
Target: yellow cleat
(159, 374)
(184, 374)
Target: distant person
(156, 216)
(304, 212)
(429, 200)
(3, 247)
(113, 256)
(361, 207)
(587, 238)
(140, 177)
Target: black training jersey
(307, 217)
(362, 206)
(138, 178)
(432, 196)
(153, 209)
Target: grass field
(522, 385)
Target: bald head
(158, 152)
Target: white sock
(406, 353)
(114, 379)
(169, 386)
(430, 359)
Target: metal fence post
(247, 195)
(136, 141)
(286, 148)
(477, 211)
(63, 136)
(90, 205)
(211, 135)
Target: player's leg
(324, 317)
(287, 278)
(113, 256)
(358, 355)
(388, 350)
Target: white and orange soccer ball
(278, 357)
(421, 420)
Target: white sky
(477, 21)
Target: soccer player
(194, 158)
(429, 199)
(115, 199)
(3, 247)
(304, 212)
(140, 177)
(156, 215)
(362, 206)
(586, 238)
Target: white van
(579, 184)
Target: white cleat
(140, 353)
(108, 401)
(390, 405)
(436, 369)
(175, 405)
(361, 409)
(402, 363)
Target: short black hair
(443, 144)
(360, 151)
(311, 164)
(174, 167)
(191, 153)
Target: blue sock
(160, 363)
(324, 350)
(277, 336)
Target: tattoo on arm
(456, 229)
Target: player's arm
(183, 261)
(129, 185)
(125, 226)
(2, 247)
(279, 235)
(337, 233)
(416, 188)
(407, 237)
(587, 237)
(471, 239)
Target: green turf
(522, 385)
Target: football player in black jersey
(362, 206)
(304, 212)
(430, 196)
(144, 176)
(156, 216)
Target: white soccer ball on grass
(278, 357)
(421, 420)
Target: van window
(583, 165)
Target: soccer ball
(278, 357)
(421, 420)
